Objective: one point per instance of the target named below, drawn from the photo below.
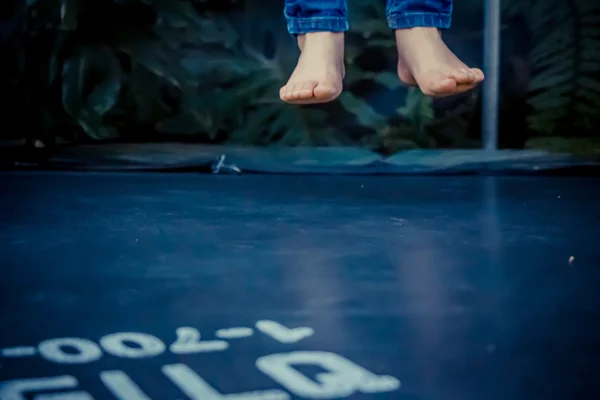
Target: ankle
(336, 38)
(417, 33)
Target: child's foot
(319, 73)
(426, 61)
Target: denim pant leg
(402, 14)
(304, 16)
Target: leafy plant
(243, 99)
(582, 146)
(176, 69)
(410, 125)
(66, 46)
(564, 92)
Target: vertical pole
(491, 69)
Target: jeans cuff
(300, 26)
(426, 20)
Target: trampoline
(182, 285)
(151, 272)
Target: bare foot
(426, 61)
(319, 73)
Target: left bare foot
(426, 61)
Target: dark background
(210, 72)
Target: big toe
(326, 91)
(437, 83)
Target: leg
(423, 58)
(319, 26)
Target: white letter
(15, 390)
(65, 396)
(122, 386)
(284, 334)
(234, 333)
(196, 388)
(149, 346)
(188, 341)
(87, 351)
(343, 379)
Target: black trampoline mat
(138, 286)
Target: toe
(294, 91)
(285, 92)
(291, 91)
(441, 85)
(479, 76)
(306, 90)
(453, 82)
(437, 84)
(444, 86)
(325, 91)
(301, 92)
(461, 76)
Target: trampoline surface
(138, 286)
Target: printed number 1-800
(341, 378)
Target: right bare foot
(426, 61)
(319, 73)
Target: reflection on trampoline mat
(184, 286)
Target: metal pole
(491, 69)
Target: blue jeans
(304, 16)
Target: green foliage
(564, 91)
(243, 99)
(69, 48)
(175, 70)
(586, 147)
(408, 127)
